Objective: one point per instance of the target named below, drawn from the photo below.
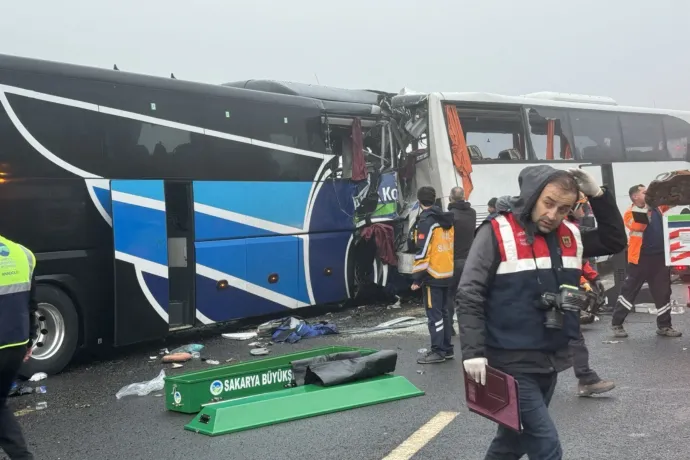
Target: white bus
(504, 134)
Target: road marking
(422, 436)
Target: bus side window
(549, 134)
(677, 132)
(643, 137)
(597, 135)
(493, 134)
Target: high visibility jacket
(636, 231)
(514, 319)
(16, 270)
(589, 274)
(434, 237)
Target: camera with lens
(570, 298)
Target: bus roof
(544, 99)
(22, 64)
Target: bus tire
(58, 332)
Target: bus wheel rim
(51, 331)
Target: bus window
(677, 132)
(548, 133)
(643, 137)
(493, 134)
(596, 135)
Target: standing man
(17, 331)
(517, 257)
(646, 262)
(464, 225)
(491, 206)
(433, 271)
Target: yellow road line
(422, 436)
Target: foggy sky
(637, 52)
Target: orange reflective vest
(636, 231)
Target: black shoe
(431, 357)
(450, 355)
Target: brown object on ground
(177, 358)
(669, 189)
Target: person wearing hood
(433, 272)
(517, 257)
(464, 225)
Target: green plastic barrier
(297, 403)
(188, 392)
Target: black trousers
(11, 438)
(458, 265)
(539, 437)
(653, 270)
(585, 375)
(438, 318)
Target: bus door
(154, 267)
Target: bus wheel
(57, 335)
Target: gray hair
(457, 194)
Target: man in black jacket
(464, 225)
(516, 258)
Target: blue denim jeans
(539, 438)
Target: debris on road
(177, 358)
(291, 329)
(191, 348)
(42, 405)
(229, 360)
(176, 365)
(21, 390)
(143, 388)
(212, 362)
(24, 411)
(38, 377)
(421, 351)
(239, 335)
(612, 341)
(420, 372)
(259, 351)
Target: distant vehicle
(156, 204)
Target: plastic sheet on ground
(143, 388)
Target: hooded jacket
(484, 258)
(434, 237)
(464, 225)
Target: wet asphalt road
(646, 417)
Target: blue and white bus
(156, 204)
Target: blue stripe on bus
(140, 232)
(280, 202)
(145, 188)
(672, 224)
(159, 287)
(208, 227)
(254, 260)
(103, 196)
(231, 303)
(327, 253)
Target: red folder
(497, 400)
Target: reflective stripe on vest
(16, 270)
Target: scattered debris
(21, 390)
(164, 351)
(82, 406)
(229, 360)
(212, 361)
(143, 388)
(421, 351)
(153, 357)
(42, 405)
(38, 377)
(291, 329)
(41, 390)
(420, 372)
(24, 411)
(191, 348)
(158, 395)
(196, 355)
(177, 365)
(612, 341)
(395, 322)
(177, 358)
(239, 335)
(684, 348)
(259, 351)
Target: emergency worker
(433, 272)
(646, 262)
(520, 262)
(17, 332)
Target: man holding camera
(518, 299)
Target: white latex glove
(476, 368)
(587, 183)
